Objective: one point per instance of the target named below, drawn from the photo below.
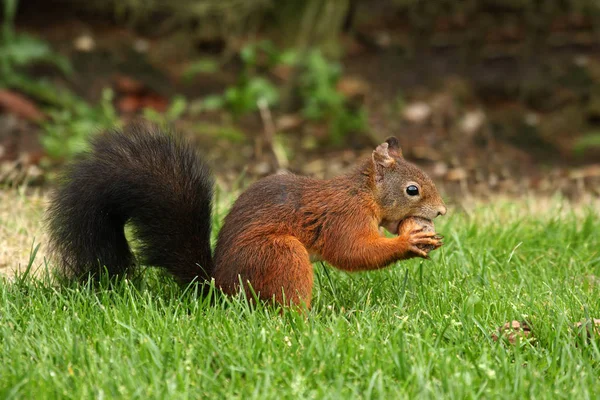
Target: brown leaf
(127, 84)
(129, 104)
(513, 331)
(155, 102)
(19, 105)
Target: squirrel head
(402, 189)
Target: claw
(419, 252)
(428, 241)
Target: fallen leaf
(513, 331)
(129, 104)
(19, 105)
(127, 84)
(155, 102)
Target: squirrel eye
(412, 190)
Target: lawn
(420, 329)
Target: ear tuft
(381, 156)
(394, 146)
(393, 142)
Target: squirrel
(158, 183)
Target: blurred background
(489, 96)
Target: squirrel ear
(381, 156)
(394, 145)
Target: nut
(413, 223)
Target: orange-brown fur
(280, 220)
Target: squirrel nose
(442, 210)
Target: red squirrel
(158, 183)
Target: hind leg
(276, 268)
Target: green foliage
(322, 101)
(70, 119)
(420, 329)
(586, 142)
(251, 88)
(226, 19)
(176, 109)
(318, 77)
(67, 131)
(245, 97)
(201, 66)
(18, 51)
(22, 50)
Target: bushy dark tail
(143, 176)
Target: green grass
(416, 330)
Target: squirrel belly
(159, 185)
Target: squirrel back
(142, 176)
(159, 185)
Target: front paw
(419, 237)
(422, 243)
